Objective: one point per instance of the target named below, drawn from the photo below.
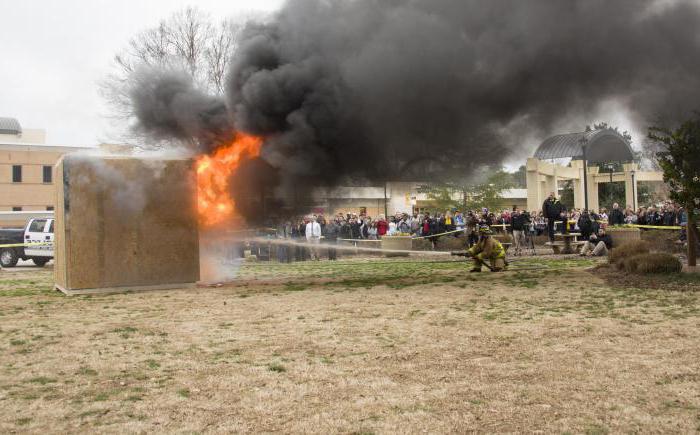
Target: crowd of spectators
(520, 223)
(357, 227)
(361, 226)
(664, 215)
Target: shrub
(627, 250)
(663, 240)
(657, 262)
(629, 264)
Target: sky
(54, 53)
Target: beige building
(26, 171)
(399, 196)
(595, 146)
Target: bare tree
(189, 36)
(648, 156)
(225, 38)
(189, 41)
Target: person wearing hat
(487, 249)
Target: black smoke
(374, 89)
(169, 106)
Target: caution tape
(18, 245)
(654, 227)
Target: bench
(570, 247)
(568, 239)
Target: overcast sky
(55, 51)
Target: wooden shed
(125, 224)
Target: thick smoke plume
(169, 106)
(380, 88)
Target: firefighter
(486, 249)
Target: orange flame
(213, 172)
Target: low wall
(622, 235)
(399, 243)
(374, 244)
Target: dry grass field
(358, 346)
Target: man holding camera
(520, 222)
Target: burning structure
(214, 201)
(331, 91)
(125, 224)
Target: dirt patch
(354, 347)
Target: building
(513, 198)
(26, 172)
(583, 149)
(399, 197)
(393, 197)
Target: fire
(213, 172)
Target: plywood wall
(124, 222)
(59, 243)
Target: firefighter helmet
(485, 230)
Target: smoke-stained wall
(362, 88)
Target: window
(16, 208)
(49, 208)
(37, 226)
(51, 227)
(16, 173)
(48, 175)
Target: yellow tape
(656, 227)
(17, 245)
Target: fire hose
(470, 255)
(18, 245)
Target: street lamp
(584, 144)
(634, 191)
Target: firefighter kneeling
(486, 249)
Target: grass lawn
(357, 346)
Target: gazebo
(595, 146)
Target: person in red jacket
(382, 226)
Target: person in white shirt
(313, 236)
(392, 227)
